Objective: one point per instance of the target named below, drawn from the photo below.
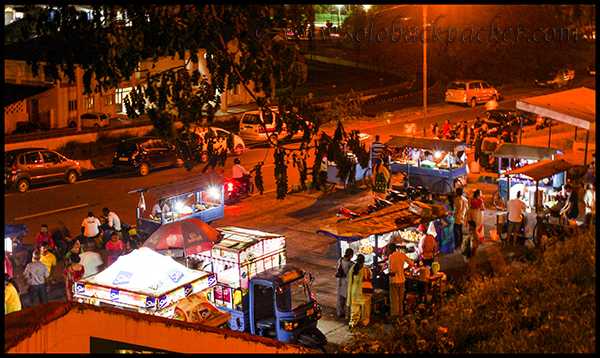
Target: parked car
(498, 121)
(27, 166)
(91, 120)
(251, 128)
(222, 136)
(145, 153)
(557, 79)
(29, 127)
(470, 92)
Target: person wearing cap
(343, 267)
(426, 247)
(396, 262)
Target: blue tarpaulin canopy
(11, 231)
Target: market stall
(144, 281)
(439, 173)
(369, 234)
(241, 254)
(541, 197)
(200, 197)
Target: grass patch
(548, 306)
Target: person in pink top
(426, 247)
(476, 209)
(114, 248)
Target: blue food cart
(201, 197)
(439, 176)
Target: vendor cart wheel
(499, 199)
(440, 189)
(368, 178)
(350, 186)
(415, 181)
(460, 183)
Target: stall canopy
(511, 150)
(542, 169)
(576, 106)
(186, 186)
(424, 143)
(392, 218)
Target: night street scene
(300, 178)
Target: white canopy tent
(576, 107)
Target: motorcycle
(235, 189)
(350, 215)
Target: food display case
(199, 197)
(437, 174)
(241, 254)
(143, 281)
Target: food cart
(199, 197)
(241, 254)
(512, 156)
(440, 175)
(369, 234)
(148, 282)
(539, 195)
(332, 170)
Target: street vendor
(451, 158)
(160, 208)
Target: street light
(424, 71)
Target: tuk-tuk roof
(237, 239)
(280, 275)
(389, 219)
(424, 143)
(542, 169)
(186, 186)
(512, 150)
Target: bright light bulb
(437, 154)
(178, 206)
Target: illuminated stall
(143, 281)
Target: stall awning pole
(587, 139)
(549, 134)
(537, 207)
(521, 131)
(375, 260)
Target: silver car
(471, 92)
(24, 167)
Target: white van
(251, 128)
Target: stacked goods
(410, 236)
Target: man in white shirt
(515, 207)
(90, 227)
(461, 204)
(396, 262)
(238, 172)
(160, 208)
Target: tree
(110, 42)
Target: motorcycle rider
(239, 173)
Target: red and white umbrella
(193, 235)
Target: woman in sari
(358, 302)
(448, 227)
(73, 273)
(476, 209)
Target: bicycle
(500, 199)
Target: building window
(73, 105)
(109, 100)
(88, 103)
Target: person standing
(91, 227)
(47, 259)
(461, 204)
(470, 258)
(446, 129)
(359, 302)
(381, 178)
(396, 262)
(410, 128)
(74, 248)
(571, 208)
(434, 130)
(35, 275)
(589, 199)
(72, 273)
(476, 209)
(426, 247)
(12, 299)
(448, 227)
(376, 150)
(343, 268)
(515, 207)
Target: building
(55, 104)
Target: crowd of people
(101, 242)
